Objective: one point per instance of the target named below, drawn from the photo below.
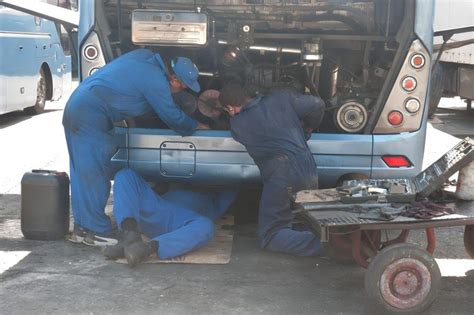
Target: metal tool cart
(368, 221)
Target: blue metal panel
(221, 160)
(410, 145)
(177, 159)
(86, 22)
(424, 18)
(340, 144)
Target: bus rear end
(368, 60)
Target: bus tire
(41, 91)
(437, 87)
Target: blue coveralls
(271, 130)
(180, 220)
(129, 86)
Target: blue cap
(187, 72)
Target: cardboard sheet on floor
(217, 251)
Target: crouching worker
(176, 222)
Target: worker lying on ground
(272, 128)
(177, 222)
(129, 86)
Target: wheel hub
(405, 283)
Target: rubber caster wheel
(469, 240)
(402, 279)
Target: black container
(44, 205)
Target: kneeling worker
(272, 128)
(177, 222)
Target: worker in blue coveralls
(177, 222)
(272, 128)
(129, 86)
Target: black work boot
(139, 251)
(116, 251)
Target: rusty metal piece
(209, 105)
(356, 249)
(431, 238)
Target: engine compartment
(341, 51)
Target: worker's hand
(202, 126)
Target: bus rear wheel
(41, 90)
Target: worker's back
(127, 80)
(269, 126)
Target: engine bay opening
(342, 52)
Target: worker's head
(232, 97)
(185, 75)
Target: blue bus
(35, 64)
(369, 60)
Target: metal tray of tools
(389, 190)
(406, 190)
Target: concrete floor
(58, 277)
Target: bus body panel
(424, 15)
(213, 157)
(408, 144)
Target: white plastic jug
(465, 186)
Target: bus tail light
(412, 105)
(92, 57)
(91, 71)
(395, 118)
(417, 61)
(404, 107)
(90, 52)
(409, 84)
(396, 161)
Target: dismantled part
(395, 190)
(351, 117)
(209, 105)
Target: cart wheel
(402, 279)
(469, 240)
